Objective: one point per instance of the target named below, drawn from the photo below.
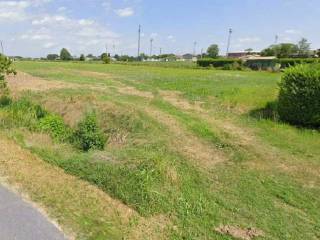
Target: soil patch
(240, 233)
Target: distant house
(187, 56)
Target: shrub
(299, 98)
(88, 134)
(55, 126)
(218, 63)
(105, 58)
(5, 100)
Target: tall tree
(303, 47)
(282, 50)
(65, 55)
(213, 51)
(82, 57)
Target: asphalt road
(19, 220)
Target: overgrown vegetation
(299, 98)
(145, 166)
(23, 113)
(88, 134)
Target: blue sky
(38, 27)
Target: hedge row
(219, 62)
(257, 64)
(288, 62)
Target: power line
(229, 41)
(139, 40)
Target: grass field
(185, 153)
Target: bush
(55, 126)
(218, 63)
(5, 100)
(299, 98)
(88, 135)
(105, 58)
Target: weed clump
(56, 127)
(88, 134)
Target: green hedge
(261, 64)
(299, 98)
(218, 63)
(290, 62)
(256, 64)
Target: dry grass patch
(135, 92)
(23, 82)
(203, 154)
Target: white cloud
(62, 9)
(171, 38)
(49, 45)
(49, 20)
(249, 40)
(86, 22)
(154, 35)
(34, 36)
(124, 12)
(13, 11)
(292, 31)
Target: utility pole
(160, 53)
(139, 40)
(151, 45)
(229, 41)
(194, 48)
(2, 51)
(107, 49)
(114, 49)
(201, 52)
(276, 40)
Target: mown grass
(270, 182)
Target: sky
(35, 28)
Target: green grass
(269, 181)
